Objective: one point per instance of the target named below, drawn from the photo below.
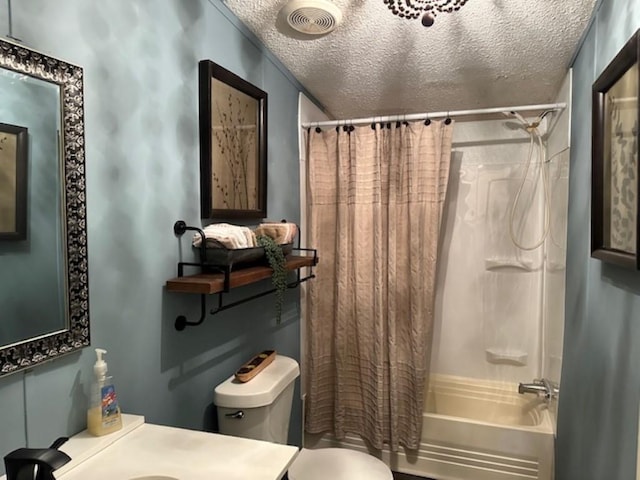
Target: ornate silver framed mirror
(44, 292)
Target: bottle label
(109, 408)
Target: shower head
(520, 118)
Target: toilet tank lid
(262, 389)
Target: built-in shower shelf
(498, 263)
(511, 357)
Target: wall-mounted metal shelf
(209, 283)
(217, 279)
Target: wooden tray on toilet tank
(254, 366)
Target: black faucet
(35, 463)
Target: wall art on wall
(233, 145)
(615, 184)
(13, 182)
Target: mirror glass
(43, 274)
(37, 263)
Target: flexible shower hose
(534, 134)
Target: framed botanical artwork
(615, 184)
(233, 145)
(13, 182)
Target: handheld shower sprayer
(528, 126)
(517, 116)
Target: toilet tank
(260, 408)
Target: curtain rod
(424, 116)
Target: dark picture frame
(233, 145)
(615, 181)
(13, 182)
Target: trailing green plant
(275, 257)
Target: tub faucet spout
(542, 387)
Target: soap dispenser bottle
(103, 415)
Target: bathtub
(472, 430)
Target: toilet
(260, 409)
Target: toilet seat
(337, 464)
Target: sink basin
(154, 477)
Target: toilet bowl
(261, 408)
(337, 464)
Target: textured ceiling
(491, 53)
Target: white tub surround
(143, 450)
(472, 430)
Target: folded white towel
(229, 236)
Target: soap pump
(103, 415)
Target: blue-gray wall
(140, 60)
(598, 411)
(141, 110)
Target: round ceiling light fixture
(427, 9)
(312, 17)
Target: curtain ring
(427, 121)
(447, 121)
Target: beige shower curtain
(375, 202)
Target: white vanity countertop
(141, 449)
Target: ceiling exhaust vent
(313, 17)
